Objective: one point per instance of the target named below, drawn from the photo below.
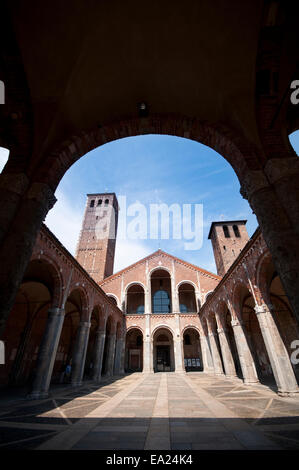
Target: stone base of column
(292, 393)
(37, 395)
(76, 384)
(97, 380)
(231, 376)
(251, 382)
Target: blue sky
(152, 169)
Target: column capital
(101, 331)
(237, 322)
(278, 168)
(260, 309)
(42, 193)
(56, 311)
(253, 181)
(85, 324)
(14, 182)
(221, 330)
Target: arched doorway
(27, 321)
(161, 291)
(192, 351)
(134, 351)
(135, 299)
(163, 352)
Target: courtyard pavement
(155, 412)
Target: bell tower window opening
(226, 231)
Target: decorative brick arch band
(234, 148)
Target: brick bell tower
(228, 240)
(96, 245)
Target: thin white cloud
(65, 221)
(128, 252)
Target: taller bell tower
(96, 245)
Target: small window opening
(226, 231)
(236, 231)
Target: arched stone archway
(161, 291)
(187, 298)
(192, 350)
(39, 292)
(163, 350)
(135, 299)
(134, 350)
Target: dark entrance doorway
(163, 351)
(163, 358)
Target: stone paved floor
(154, 411)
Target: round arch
(163, 349)
(161, 290)
(192, 349)
(158, 268)
(187, 297)
(231, 145)
(135, 298)
(135, 328)
(138, 283)
(113, 296)
(134, 349)
(194, 327)
(208, 294)
(164, 326)
(187, 281)
(54, 270)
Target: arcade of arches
(64, 329)
(52, 313)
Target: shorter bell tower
(228, 240)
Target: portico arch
(134, 350)
(161, 291)
(192, 349)
(163, 350)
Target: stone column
(278, 355)
(228, 361)
(18, 242)
(12, 188)
(246, 360)
(80, 349)
(273, 197)
(98, 355)
(178, 347)
(47, 353)
(174, 296)
(218, 369)
(206, 354)
(147, 300)
(147, 347)
(111, 353)
(118, 356)
(122, 357)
